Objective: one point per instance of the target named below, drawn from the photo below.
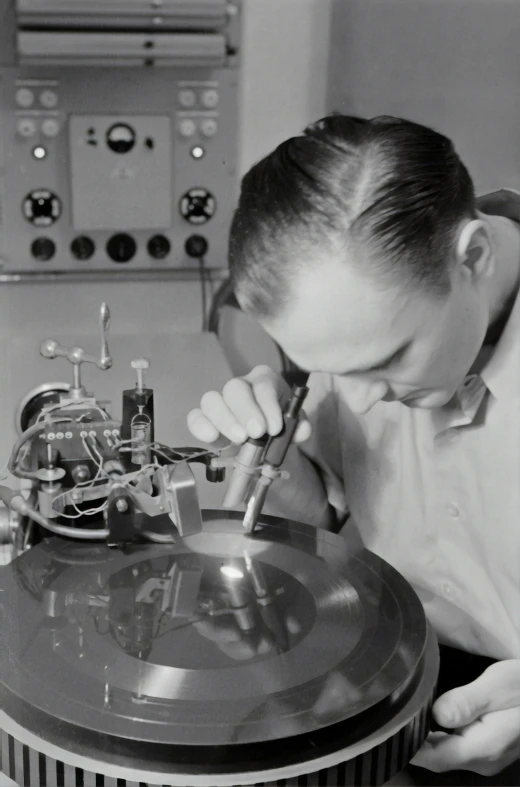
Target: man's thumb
(498, 688)
(459, 707)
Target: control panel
(118, 135)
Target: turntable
(178, 647)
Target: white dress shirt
(436, 493)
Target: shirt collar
(501, 373)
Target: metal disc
(218, 639)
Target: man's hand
(485, 718)
(248, 406)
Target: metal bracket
(181, 489)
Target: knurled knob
(140, 363)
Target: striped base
(29, 767)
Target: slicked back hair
(390, 191)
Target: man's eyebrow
(394, 355)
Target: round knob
(198, 206)
(196, 246)
(187, 127)
(24, 97)
(209, 127)
(140, 363)
(121, 138)
(210, 98)
(41, 207)
(50, 127)
(159, 247)
(80, 474)
(121, 247)
(48, 348)
(82, 248)
(26, 127)
(187, 99)
(43, 249)
(48, 99)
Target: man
(361, 249)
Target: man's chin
(427, 401)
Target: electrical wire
(203, 293)
(7, 495)
(12, 464)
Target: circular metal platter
(223, 647)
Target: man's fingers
(241, 401)
(486, 746)
(266, 395)
(268, 388)
(201, 427)
(247, 407)
(218, 413)
(498, 688)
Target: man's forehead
(333, 298)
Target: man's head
(359, 248)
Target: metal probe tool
(274, 455)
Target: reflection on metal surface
(218, 643)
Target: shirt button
(452, 510)
(447, 589)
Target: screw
(140, 364)
(121, 505)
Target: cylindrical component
(246, 462)
(9, 522)
(51, 457)
(215, 474)
(240, 604)
(48, 506)
(80, 474)
(279, 445)
(137, 426)
(256, 503)
(295, 403)
(53, 603)
(140, 431)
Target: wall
(452, 64)
(285, 75)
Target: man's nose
(363, 395)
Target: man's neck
(506, 280)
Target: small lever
(50, 348)
(105, 362)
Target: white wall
(451, 64)
(286, 44)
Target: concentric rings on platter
(220, 646)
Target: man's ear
(474, 249)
